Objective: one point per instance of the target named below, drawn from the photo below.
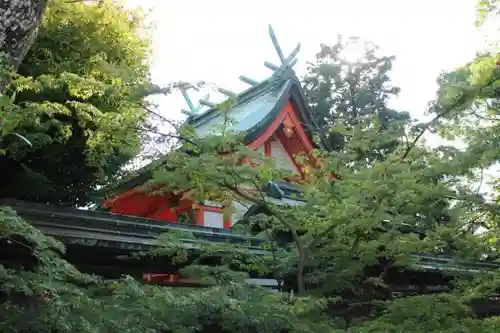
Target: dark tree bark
(19, 22)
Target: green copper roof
(245, 115)
(254, 110)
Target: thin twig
(457, 103)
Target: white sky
(219, 40)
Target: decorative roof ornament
(274, 68)
(226, 92)
(286, 62)
(193, 111)
(249, 81)
(206, 101)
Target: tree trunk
(19, 22)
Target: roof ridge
(283, 75)
(249, 94)
(281, 72)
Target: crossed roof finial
(192, 109)
(286, 62)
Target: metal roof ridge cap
(148, 167)
(243, 97)
(238, 96)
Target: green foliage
(487, 9)
(347, 224)
(441, 313)
(77, 98)
(348, 93)
(53, 297)
(347, 236)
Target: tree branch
(156, 114)
(300, 247)
(463, 98)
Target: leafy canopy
(346, 92)
(77, 98)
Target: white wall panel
(213, 219)
(283, 161)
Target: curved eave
(292, 93)
(262, 126)
(301, 105)
(142, 178)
